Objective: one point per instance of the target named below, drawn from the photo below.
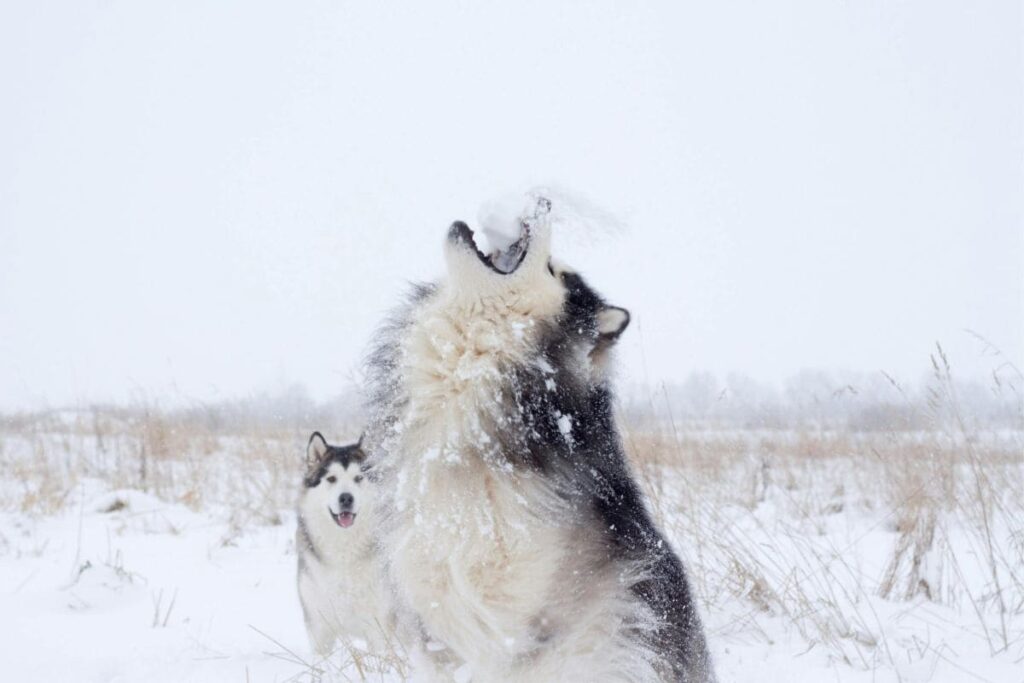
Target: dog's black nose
(346, 500)
(460, 232)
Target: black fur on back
(591, 468)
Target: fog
(205, 200)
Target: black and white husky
(339, 578)
(517, 542)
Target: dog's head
(545, 300)
(517, 270)
(335, 479)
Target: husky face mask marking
(335, 477)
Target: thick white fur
(342, 592)
(484, 559)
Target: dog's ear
(315, 449)
(360, 456)
(612, 321)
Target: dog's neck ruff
(459, 408)
(457, 357)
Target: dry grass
(814, 527)
(785, 523)
(254, 473)
(348, 663)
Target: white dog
(339, 580)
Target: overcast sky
(206, 199)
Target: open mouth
(343, 519)
(502, 261)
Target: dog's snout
(459, 231)
(346, 500)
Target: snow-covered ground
(789, 541)
(152, 592)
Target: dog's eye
(358, 478)
(551, 269)
(332, 479)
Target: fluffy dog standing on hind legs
(516, 539)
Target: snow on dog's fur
(339, 575)
(517, 542)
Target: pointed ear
(612, 321)
(315, 449)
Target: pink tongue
(346, 519)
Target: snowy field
(207, 201)
(137, 548)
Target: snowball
(501, 220)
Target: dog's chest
(476, 546)
(476, 550)
(455, 360)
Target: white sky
(206, 199)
